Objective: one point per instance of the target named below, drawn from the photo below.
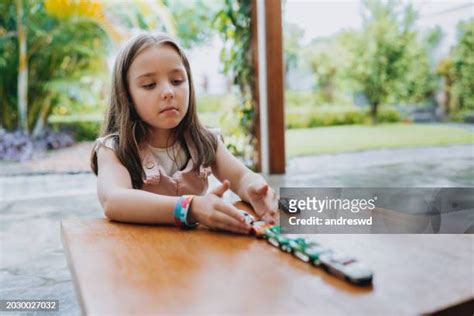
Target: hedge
(306, 118)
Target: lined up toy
(342, 266)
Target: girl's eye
(177, 82)
(149, 86)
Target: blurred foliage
(463, 116)
(292, 35)
(60, 53)
(444, 69)
(307, 117)
(419, 81)
(462, 70)
(133, 16)
(327, 58)
(315, 98)
(193, 19)
(387, 62)
(381, 53)
(68, 42)
(233, 24)
(80, 129)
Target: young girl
(154, 156)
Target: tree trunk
(328, 91)
(373, 113)
(42, 118)
(447, 91)
(22, 69)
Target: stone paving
(71, 160)
(32, 261)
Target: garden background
(378, 94)
(395, 66)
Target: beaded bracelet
(181, 210)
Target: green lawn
(338, 139)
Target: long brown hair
(122, 119)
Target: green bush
(312, 98)
(82, 128)
(318, 117)
(462, 71)
(463, 116)
(389, 115)
(81, 131)
(300, 98)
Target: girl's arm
(227, 167)
(248, 185)
(123, 203)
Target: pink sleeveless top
(156, 180)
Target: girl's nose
(167, 93)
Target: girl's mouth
(169, 111)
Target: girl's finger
(265, 208)
(269, 219)
(231, 211)
(259, 189)
(231, 228)
(263, 189)
(224, 219)
(271, 203)
(269, 206)
(220, 190)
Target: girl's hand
(212, 211)
(264, 202)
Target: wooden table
(144, 269)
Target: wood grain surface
(151, 269)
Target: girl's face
(158, 83)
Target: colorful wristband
(181, 210)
